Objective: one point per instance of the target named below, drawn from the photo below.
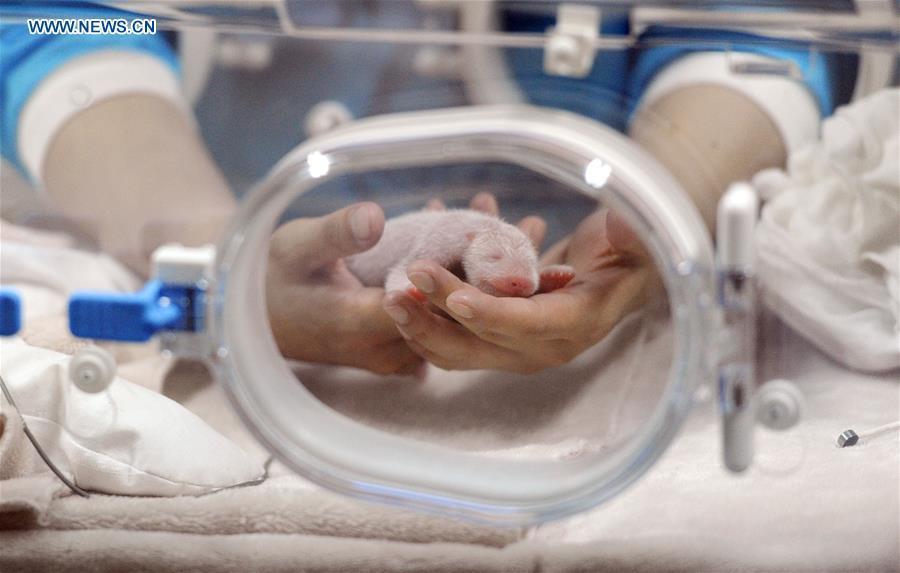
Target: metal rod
(842, 23)
(805, 26)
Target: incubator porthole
(483, 454)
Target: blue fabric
(26, 59)
(600, 95)
(814, 66)
(611, 92)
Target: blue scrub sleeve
(815, 67)
(27, 59)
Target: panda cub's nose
(513, 286)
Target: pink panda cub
(488, 253)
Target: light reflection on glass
(597, 173)
(318, 164)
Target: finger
(477, 311)
(309, 244)
(411, 320)
(435, 282)
(535, 229)
(486, 203)
(589, 247)
(621, 237)
(435, 205)
(556, 254)
(454, 342)
(493, 357)
(442, 337)
(510, 320)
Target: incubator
(559, 110)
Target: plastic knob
(325, 116)
(780, 405)
(92, 369)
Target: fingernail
(423, 282)
(397, 313)
(460, 308)
(361, 224)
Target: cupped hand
(613, 277)
(319, 311)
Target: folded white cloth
(125, 440)
(829, 239)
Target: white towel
(829, 239)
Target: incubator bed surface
(806, 505)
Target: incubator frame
(346, 456)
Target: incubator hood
(210, 304)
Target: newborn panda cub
(492, 255)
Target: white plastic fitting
(779, 404)
(92, 369)
(736, 222)
(176, 264)
(325, 116)
(437, 62)
(245, 53)
(570, 48)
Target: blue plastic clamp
(136, 317)
(10, 312)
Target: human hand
(318, 310)
(613, 276)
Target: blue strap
(125, 317)
(10, 312)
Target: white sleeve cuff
(80, 83)
(786, 101)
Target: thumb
(309, 244)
